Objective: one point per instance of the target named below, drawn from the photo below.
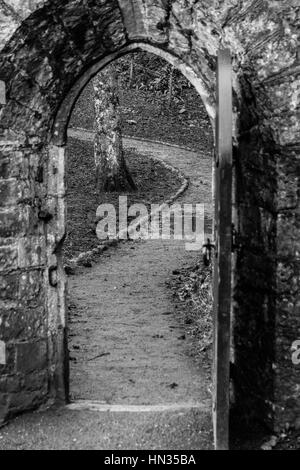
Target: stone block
(8, 255)
(31, 286)
(10, 384)
(23, 400)
(20, 220)
(13, 164)
(31, 356)
(10, 358)
(31, 252)
(9, 286)
(2, 353)
(22, 322)
(4, 406)
(36, 381)
(11, 222)
(10, 192)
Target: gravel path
(128, 347)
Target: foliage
(196, 292)
(145, 71)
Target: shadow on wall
(256, 265)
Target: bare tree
(170, 87)
(111, 170)
(131, 71)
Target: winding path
(127, 345)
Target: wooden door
(223, 251)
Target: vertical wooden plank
(223, 242)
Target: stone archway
(60, 125)
(52, 51)
(44, 69)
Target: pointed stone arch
(44, 66)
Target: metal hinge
(216, 158)
(52, 275)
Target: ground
(86, 430)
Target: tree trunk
(170, 91)
(131, 71)
(111, 170)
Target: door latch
(216, 157)
(207, 252)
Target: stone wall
(267, 289)
(54, 48)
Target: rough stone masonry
(49, 50)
